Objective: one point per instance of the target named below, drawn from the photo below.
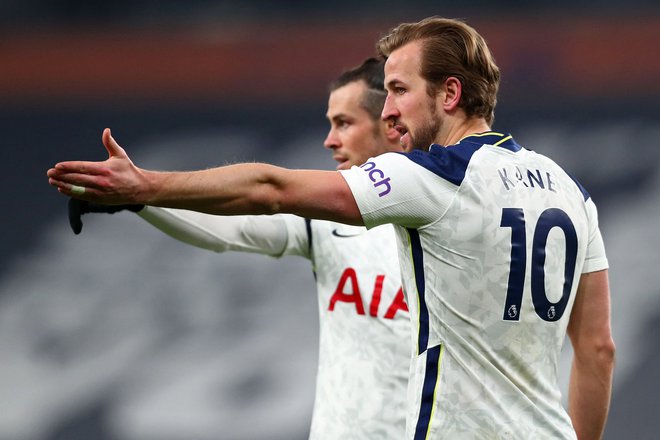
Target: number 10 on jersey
(514, 218)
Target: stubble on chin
(425, 136)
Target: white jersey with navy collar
(364, 349)
(492, 241)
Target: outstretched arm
(229, 190)
(589, 330)
(274, 235)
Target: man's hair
(451, 48)
(371, 72)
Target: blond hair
(451, 48)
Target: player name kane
(516, 177)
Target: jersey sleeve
(391, 188)
(275, 235)
(595, 259)
(299, 236)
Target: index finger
(80, 167)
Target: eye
(342, 124)
(399, 90)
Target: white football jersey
(492, 241)
(365, 350)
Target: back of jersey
(501, 268)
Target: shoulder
(582, 189)
(573, 181)
(451, 162)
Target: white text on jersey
(527, 178)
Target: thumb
(114, 150)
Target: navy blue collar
(503, 140)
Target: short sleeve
(595, 259)
(391, 188)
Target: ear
(453, 90)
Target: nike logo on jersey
(337, 233)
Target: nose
(331, 141)
(390, 111)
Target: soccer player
(364, 349)
(500, 250)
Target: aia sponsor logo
(348, 291)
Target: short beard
(426, 134)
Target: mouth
(404, 139)
(342, 162)
(402, 129)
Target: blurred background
(122, 333)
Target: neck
(466, 127)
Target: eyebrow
(392, 83)
(338, 117)
(341, 115)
